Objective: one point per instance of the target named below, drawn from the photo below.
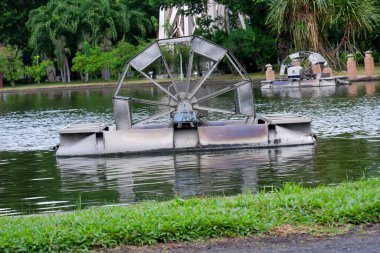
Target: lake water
(32, 180)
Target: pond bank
(84, 86)
(197, 218)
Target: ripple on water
(33, 180)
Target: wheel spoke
(221, 91)
(205, 108)
(158, 115)
(143, 101)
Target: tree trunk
(51, 75)
(106, 74)
(67, 68)
(63, 75)
(86, 77)
(1, 80)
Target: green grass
(196, 218)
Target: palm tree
(300, 18)
(104, 19)
(52, 30)
(355, 18)
(60, 27)
(309, 22)
(104, 22)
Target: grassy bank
(180, 220)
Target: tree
(309, 23)
(38, 68)
(91, 60)
(53, 28)
(102, 20)
(61, 27)
(252, 48)
(356, 19)
(14, 15)
(10, 63)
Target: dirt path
(360, 239)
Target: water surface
(32, 180)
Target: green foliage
(121, 54)
(11, 64)
(38, 68)
(195, 6)
(91, 60)
(14, 15)
(324, 24)
(196, 218)
(252, 47)
(61, 27)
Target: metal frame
(201, 47)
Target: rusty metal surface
(233, 135)
(225, 122)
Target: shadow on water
(89, 181)
(161, 177)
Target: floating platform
(319, 82)
(267, 131)
(185, 107)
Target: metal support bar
(120, 82)
(143, 101)
(158, 115)
(169, 72)
(198, 107)
(222, 91)
(199, 84)
(189, 69)
(158, 85)
(236, 67)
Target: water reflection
(296, 92)
(354, 89)
(162, 177)
(368, 87)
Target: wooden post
(316, 69)
(269, 73)
(369, 64)
(327, 72)
(351, 67)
